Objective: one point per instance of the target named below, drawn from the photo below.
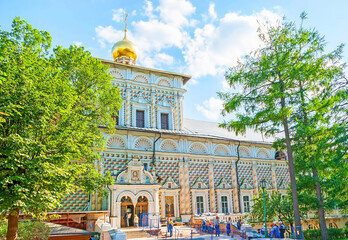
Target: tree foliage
(290, 84)
(54, 102)
(278, 207)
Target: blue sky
(195, 37)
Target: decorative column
(128, 110)
(156, 197)
(235, 186)
(180, 114)
(256, 182)
(153, 110)
(163, 205)
(274, 179)
(183, 185)
(187, 186)
(211, 185)
(176, 207)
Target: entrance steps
(134, 232)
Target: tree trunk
(291, 168)
(321, 211)
(292, 175)
(12, 226)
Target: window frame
(167, 121)
(138, 120)
(246, 204)
(224, 204)
(199, 204)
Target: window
(164, 121)
(140, 118)
(169, 185)
(199, 185)
(331, 225)
(200, 208)
(116, 118)
(224, 204)
(146, 166)
(246, 203)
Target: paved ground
(181, 232)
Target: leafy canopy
(54, 102)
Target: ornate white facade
(189, 171)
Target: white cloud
(211, 108)
(175, 12)
(164, 58)
(207, 50)
(148, 9)
(108, 34)
(118, 14)
(211, 11)
(216, 47)
(77, 43)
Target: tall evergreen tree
(54, 101)
(290, 66)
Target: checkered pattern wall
(264, 172)
(167, 168)
(282, 173)
(198, 169)
(245, 171)
(222, 170)
(159, 97)
(136, 93)
(114, 162)
(123, 93)
(74, 202)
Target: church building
(163, 163)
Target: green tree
(290, 66)
(278, 208)
(55, 101)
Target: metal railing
(150, 222)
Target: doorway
(141, 210)
(169, 205)
(127, 212)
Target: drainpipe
(154, 149)
(238, 187)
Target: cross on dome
(124, 51)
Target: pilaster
(256, 182)
(183, 186)
(211, 186)
(128, 110)
(235, 187)
(153, 110)
(187, 186)
(274, 179)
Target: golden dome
(124, 48)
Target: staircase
(133, 232)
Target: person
(170, 225)
(211, 229)
(275, 231)
(204, 226)
(239, 224)
(136, 220)
(263, 230)
(217, 226)
(281, 229)
(228, 226)
(126, 220)
(129, 218)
